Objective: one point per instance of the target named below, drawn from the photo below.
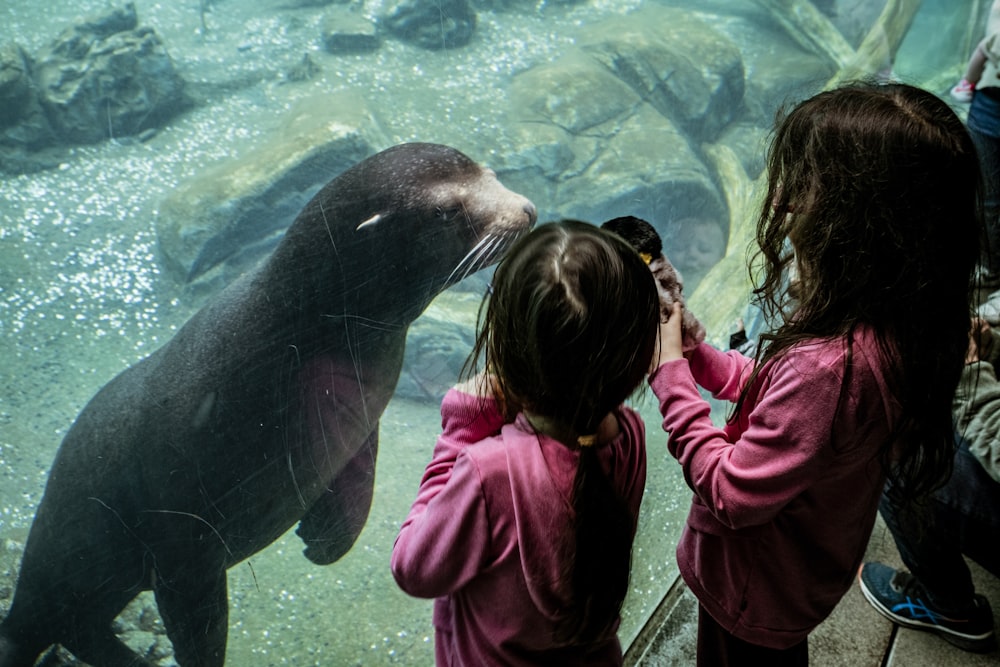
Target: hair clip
(587, 440)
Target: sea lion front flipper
(101, 647)
(195, 612)
(331, 526)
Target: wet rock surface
(223, 221)
(105, 77)
(431, 24)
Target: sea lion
(262, 411)
(642, 236)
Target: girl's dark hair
(568, 333)
(878, 188)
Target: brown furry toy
(643, 237)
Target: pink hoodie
(487, 531)
(785, 497)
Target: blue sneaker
(901, 598)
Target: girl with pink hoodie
(523, 524)
(867, 244)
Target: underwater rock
(15, 84)
(26, 136)
(431, 24)
(303, 70)
(573, 93)
(559, 113)
(437, 346)
(597, 150)
(222, 221)
(648, 169)
(105, 78)
(347, 31)
(25, 130)
(781, 68)
(676, 62)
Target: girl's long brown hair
(877, 186)
(568, 333)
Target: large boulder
(586, 131)
(107, 78)
(15, 84)
(431, 24)
(23, 124)
(346, 30)
(685, 69)
(651, 170)
(225, 219)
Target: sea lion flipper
(195, 612)
(330, 527)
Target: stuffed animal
(643, 237)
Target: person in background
(981, 69)
(867, 248)
(524, 521)
(981, 87)
(962, 517)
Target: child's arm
(445, 536)
(780, 453)
(974, 69)
(722, 373)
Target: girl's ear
(369, 222)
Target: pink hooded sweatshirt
(487, 533)
(784, 497)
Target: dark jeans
(963, 517)
(984, 126)
(718, 648)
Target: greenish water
(83, 294)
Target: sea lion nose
(532, 212)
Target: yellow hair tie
(587, 440)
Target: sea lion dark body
(261, 412)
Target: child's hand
(670, 342)
(980, 341)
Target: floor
(855, 635)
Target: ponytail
(598, 571)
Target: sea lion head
(399, 227)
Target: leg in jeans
(984, 127)
(962, 517)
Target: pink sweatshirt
(486, 531)
(785, 497)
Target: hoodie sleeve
(781, 452)
(445, 538)
(721, 373)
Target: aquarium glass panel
(217, 380)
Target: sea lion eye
(447, 214)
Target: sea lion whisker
(487, 253)
(497, 243)
(472, 259)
